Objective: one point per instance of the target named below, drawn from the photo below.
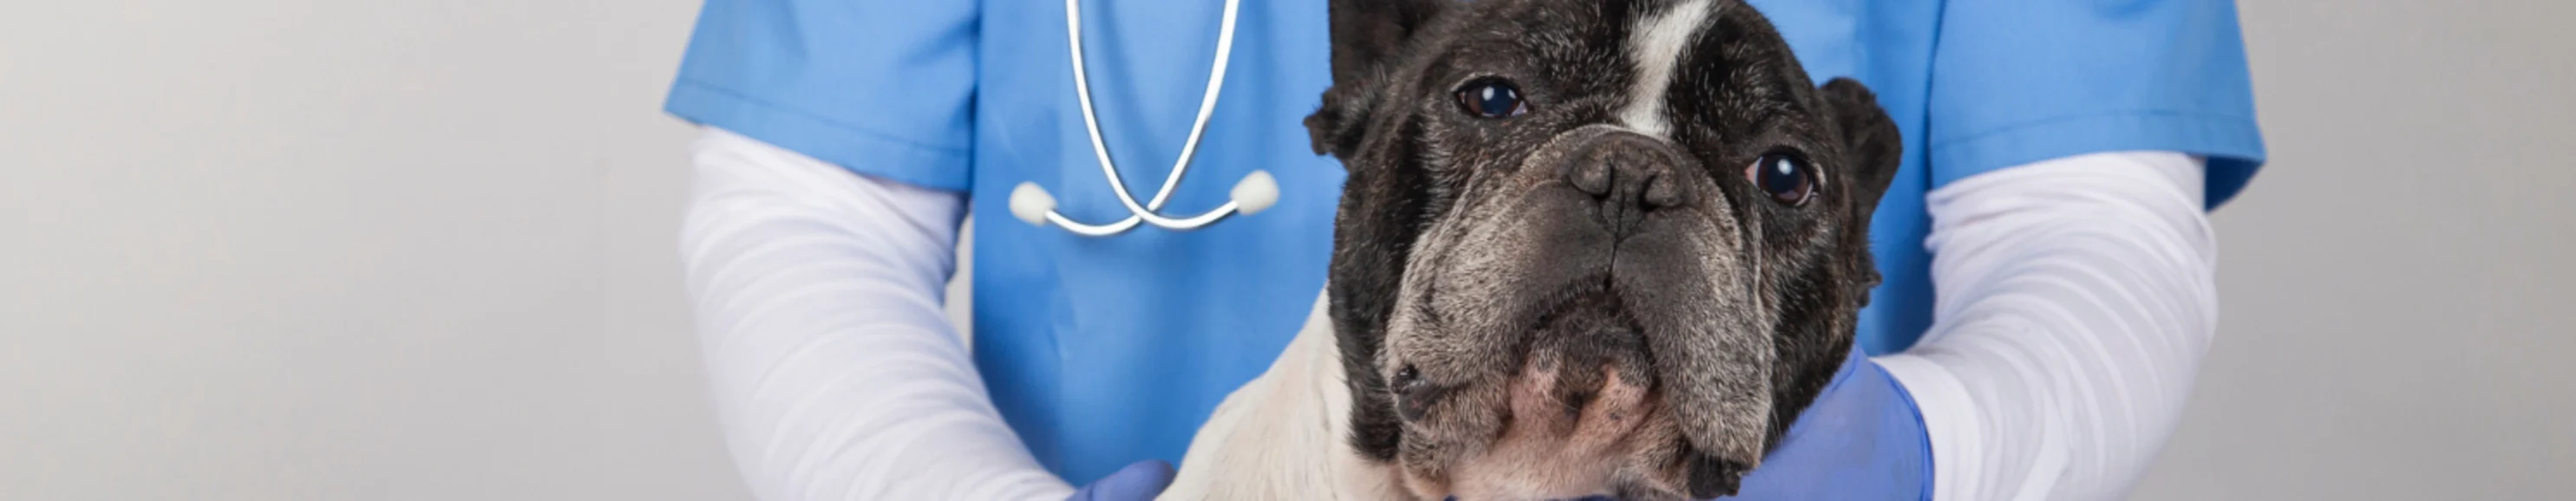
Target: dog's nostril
(1626, 177)
(1662, 193)
(1593, 178)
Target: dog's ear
(1873, 150)
(1875, 146)
(1367, 34)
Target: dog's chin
(1581, 416)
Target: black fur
(1740, 95)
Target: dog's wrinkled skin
(1590, 297)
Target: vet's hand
(1861, 439)
(1137, 482)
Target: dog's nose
(1629, 175)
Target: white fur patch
(1656, 43)
(1281, 436)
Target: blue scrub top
(1105, 351)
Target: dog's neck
(1285, 435)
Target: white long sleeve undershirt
(2074, 299)
(833, 369)
(2075, 302)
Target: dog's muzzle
(1582, 326)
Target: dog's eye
(1491, 98)
(1786, 177)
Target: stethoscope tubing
(1146, 213)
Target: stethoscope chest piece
(1256, 192)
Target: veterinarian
(2047, 258)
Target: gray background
(279, 249)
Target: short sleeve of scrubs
(882, 87)
(2016, 82)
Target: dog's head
(1589, 247)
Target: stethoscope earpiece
(1257, 191)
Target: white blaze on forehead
(1656, 44)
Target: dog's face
(1589, 247)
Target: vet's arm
(836, 376)
(2074, 303)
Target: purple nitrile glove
(1136, 482)
(1863, 438)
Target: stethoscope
(1257, 191)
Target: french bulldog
(1586, 248)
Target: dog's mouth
(1579, 414)
(1585, 414)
